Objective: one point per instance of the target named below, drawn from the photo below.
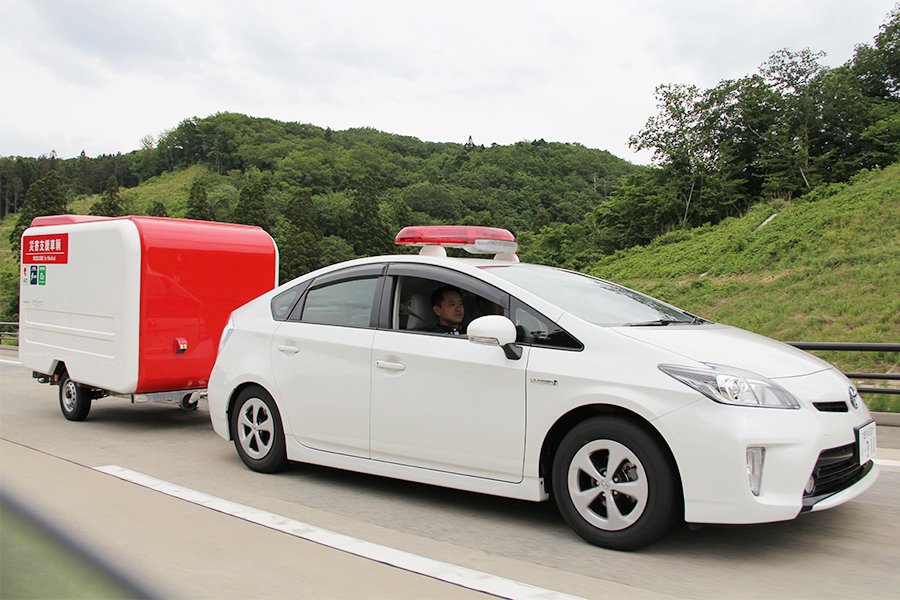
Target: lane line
(883, 462)
(461, 576)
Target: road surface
(198, 524)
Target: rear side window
(283, 303)
(349, 302)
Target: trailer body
(135, 305)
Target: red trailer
(133, 306)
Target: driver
(447, 304)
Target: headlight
(730, 385)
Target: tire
(257, 432)
(186, 403)
(641, 484)
(74, 399)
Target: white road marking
(886, 463)
(461, 576)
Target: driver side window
(414, 302)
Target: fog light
(755, 459)
(810, 485)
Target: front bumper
(709, 442)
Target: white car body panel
(307, 359)
(724, 345)
(455, 406)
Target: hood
(729, 346)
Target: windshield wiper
(656, 323)
(664, 322)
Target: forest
(795, 131)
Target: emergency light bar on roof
(475, 240)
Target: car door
(439, 401)
(322, 361)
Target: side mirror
(495, 330)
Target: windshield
(592, 299)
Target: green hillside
(825, 268)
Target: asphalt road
(191, 548)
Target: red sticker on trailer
(45, 249)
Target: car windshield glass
(592, 299)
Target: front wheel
(74, 400)
(613, 484)
(257, 432)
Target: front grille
(836, 470)
(831, 406)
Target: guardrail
(833, 346)
(855, 347)
(9, 335)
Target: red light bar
(454, 236)
(475, 240)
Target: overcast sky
(98, 75)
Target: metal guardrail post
(9, 335)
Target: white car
(629, 412)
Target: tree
(110, 203)
(251, 208)
(45, 197)
(367, 234)
(334, 249)
(301, 212)
(796, 77)
(878, 67)
(158, 209)
(298, 237)
(198, 203)
(683, 138)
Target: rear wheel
(74, 400)
(613, 484)
(257, 432)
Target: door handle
(288, 349)
(391, 366)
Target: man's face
(451, 310)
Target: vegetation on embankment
(825, 268)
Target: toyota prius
(537, 383)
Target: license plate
(867, 444)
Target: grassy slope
(822, 271)
(172, 189)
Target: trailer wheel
(187, 404)
(257, 432)
(74, 400)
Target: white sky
(98, 75)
